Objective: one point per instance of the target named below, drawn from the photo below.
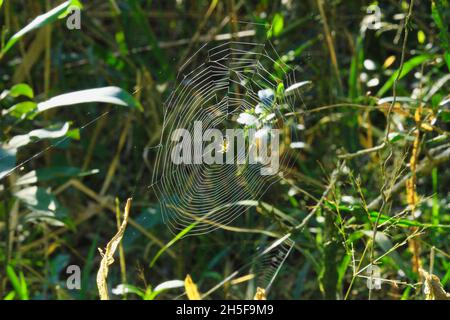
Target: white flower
(247, 119)
(369, 64)
(373, 82)
(298, 145)
(120, 289)
(292, 192)
(267, 96)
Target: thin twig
(333, 179)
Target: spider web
(228, 82)
(263, 265)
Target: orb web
(271, 260)
(262, 267)
(229, 86)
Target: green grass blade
(180, 235)
(407, 67)
(357, 59)
(19, 284)
(39, 22)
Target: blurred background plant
(81, 111)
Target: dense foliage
(374, 163)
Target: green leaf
(342, 269)
(395, 136)
(23, 284)
(8, 151)
(113, 95)
(421, 37)
(403, 222)
(280, 89)
(21, 109)
(444, 115)
(172, 284)
(447, 59)
(21, 89)
(74, 4)
(19, 284)
(357, 61)
(39, 22)
(74, 134)
(407, 67)
(180, 235)
(277, 26)
(51, 132)
(44, 206)
(12, 294)
(51, 173)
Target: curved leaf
(52, 132)
(21, 89)
(113, 95)
(39, 22)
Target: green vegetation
(81, 118)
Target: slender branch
(362, 152)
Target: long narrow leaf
(19, 285)
(180, 235)
(113, 95)
(407, 67)
(39, 22)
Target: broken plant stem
(108, 255)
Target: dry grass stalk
(411, 189)
(123, 267)
(433, 288)
(108, 255)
